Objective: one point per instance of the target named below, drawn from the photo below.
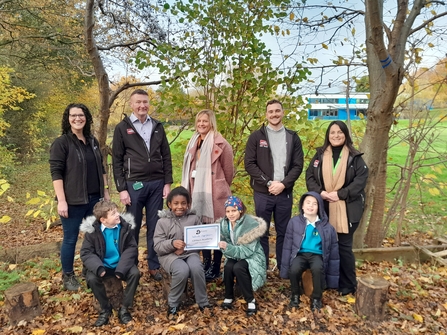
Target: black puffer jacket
(94, 247)
(67, 163)
(353, 190)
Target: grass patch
(427, 201)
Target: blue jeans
(70, 227)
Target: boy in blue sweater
(310, 243)
(109, 249)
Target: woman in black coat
(79, 181)
(339, 174)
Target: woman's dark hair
(180, 190)
(345, 130)
(66, 127)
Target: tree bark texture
(371, 297)
(101, 76)
(385, 66)
(115, 293)
(308, 285)
(22, 302)
(166, 283)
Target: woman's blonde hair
(211, 116)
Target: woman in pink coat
(208, 171)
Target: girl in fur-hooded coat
(240, 243)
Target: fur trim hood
(87, 225)
(167, 213)
(258, 228)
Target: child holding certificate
(169, 245)
(240, 243)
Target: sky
(301, 45)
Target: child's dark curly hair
(66, 127)
(178, 191)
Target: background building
(335, 106)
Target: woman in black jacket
(79, 181)
(339, 174)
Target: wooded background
(219, 54)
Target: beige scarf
(333, 181)
(202, 194)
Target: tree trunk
(371, 297)
(114, 291)
(166, 283)
(102, 77)
(22, 302)
(385, 67)
(308, 285)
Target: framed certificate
(201, 237)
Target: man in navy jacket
(274, 160)
(142, 169)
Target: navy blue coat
(295, 235)
(94, 246)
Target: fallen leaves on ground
(416, 304)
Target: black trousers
(238, 269)
(281, 207)
(96, 284)
(347, 282)
(216, 260)
(301, 263)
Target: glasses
(74, 116)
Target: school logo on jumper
(316, 162)
(130, 131)
(263, 144)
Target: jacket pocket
(221, 190)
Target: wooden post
(166, 282)
(371, 297)
(22, 302)
(114, 291)
(308, 285)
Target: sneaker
(71, 283)
(173, 310)
(316, 304)
(346, 291)
(294, 300)
(155, 274)
(227, 304)
(211, 275)
(251, 308)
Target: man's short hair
(274, 101)
(102, 208)
(139, 91)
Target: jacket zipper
(82, 160)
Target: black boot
(294, 300)
(213, 272)
(206, 264)
(103, 317)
